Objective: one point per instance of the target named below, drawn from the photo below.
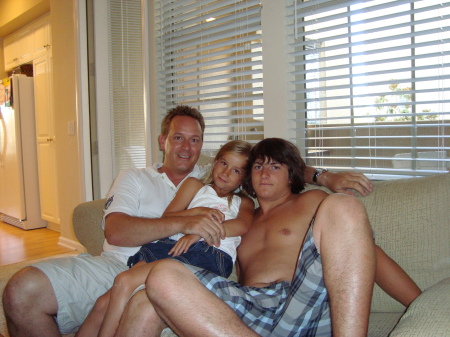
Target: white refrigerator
(19, 183)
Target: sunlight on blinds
(372, 84)
(210, 58)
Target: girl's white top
(207, 197)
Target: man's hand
(183, 244)
(214, 213)
(206, 226)
(345, 182)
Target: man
(306, 267)
(54, 297)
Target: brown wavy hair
(283, 152)
(181, 110)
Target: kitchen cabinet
(25, 45)
(46, 140)
(41, 37)
(10, 50)
(28, 43)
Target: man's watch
(317, 173)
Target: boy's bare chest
(277, 230)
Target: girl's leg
(92, 323)
(124, 285)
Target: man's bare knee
(25, 287)
(29, 294)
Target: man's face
(182, 145)
(270, 179)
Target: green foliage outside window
(399, 105)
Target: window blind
(209, 57)
(371, 84)
(126, 84)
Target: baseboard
(71, 244)
(54, 226)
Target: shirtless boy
(297, 245)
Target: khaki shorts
(78, 282)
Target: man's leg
(187, 306)
(344, 238)
(29, 303)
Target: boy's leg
(139, 318)
(188, 307)
(394, 280)
(124, 285)
(344, 238)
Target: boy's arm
(394, 280)
(340, 182)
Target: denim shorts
(200, 254)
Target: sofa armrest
(428, 314)
(87, 225)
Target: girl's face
(228, 173)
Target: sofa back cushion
(411, 221)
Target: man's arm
(129, 231)
(340, 182)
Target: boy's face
(270, 179)
(182, 145)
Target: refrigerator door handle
(3, 140)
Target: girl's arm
(243, 221)
(394, 280)
(183, 198)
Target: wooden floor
(17, 245)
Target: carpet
(5, 274)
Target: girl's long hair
(238, 147)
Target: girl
(215, 199)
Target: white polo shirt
(143, 193)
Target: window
(126, 84)
(117, 116)
(357, 85)
(372, 85)
(209, 56)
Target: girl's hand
(183, 244)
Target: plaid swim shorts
(283, 309)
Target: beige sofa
(411, 220)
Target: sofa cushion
(428, 314)
(382, 323)
(411, 221)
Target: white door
(46, 141)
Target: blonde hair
(238, 147)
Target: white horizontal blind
(372, 84)
(209, 57)
(126, 84)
